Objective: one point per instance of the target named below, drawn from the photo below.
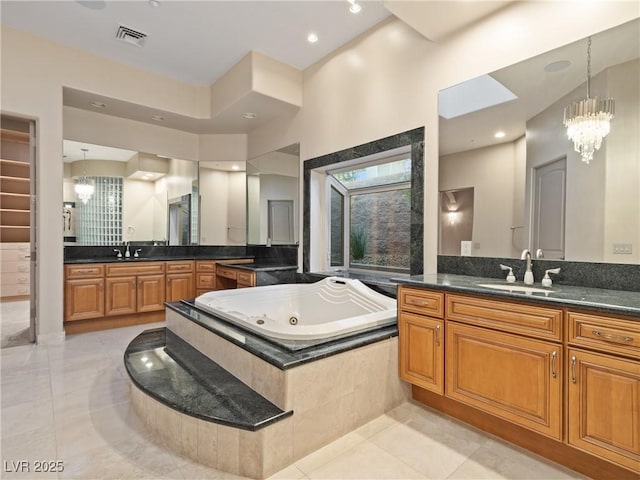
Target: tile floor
(14, 326)
(71, 403)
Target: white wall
(384, 82)
(222, 207)
(492, 172)
(276, 187)
(137, 210)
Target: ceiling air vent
(131, 36)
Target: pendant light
(588, 121)
(84, 186)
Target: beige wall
(382, 83)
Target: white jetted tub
(333, 306)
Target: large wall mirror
(272, 197)
(147, 198)
(529, 188)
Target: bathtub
(331, 307)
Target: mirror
(530, 189)
(130, 201)
(272, 197)
(179, 220)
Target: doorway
(17, 239)
(280, 221)
(549, 208)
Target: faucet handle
(546, 280)
(137, 251)
(511, 278)
(119, 252)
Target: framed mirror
(530, 189)
(272, 197)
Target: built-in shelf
(15, 186)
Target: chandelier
(84, 186)
(587, 121)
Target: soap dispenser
(511, 278)
(546, 280)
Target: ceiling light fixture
(354, 8)
(154, 3)
(157, 118)
(235, 167)
(249, 115)
(84, 187)
(499, 134)
(312, 38)
(98, 104)
(587, 121)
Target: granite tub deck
(199, 409)
(332, 388)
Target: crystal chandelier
(587, 121)
(84, 186)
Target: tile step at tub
(171, 371)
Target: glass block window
(100, 219)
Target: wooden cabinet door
(421, 350)
(517, 379)
(604, 407)
(121, 295)
(179, 286)
(150, 293)
(84, 299)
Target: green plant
(358, 243)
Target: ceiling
(199, 41)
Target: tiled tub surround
(332, 388)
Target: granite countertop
(288, 354)
(155, 258)
(262, 266)
(619, 302)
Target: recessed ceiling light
(499, 134)
(354, 8)
(557, 66)
(235, 167)
(154, 3)
(249, 115)
(98, 104)
(312, 38)
(157, 118)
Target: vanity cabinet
(228, 276)
(421, 336)
(180, 281)
(205, 276)
(134, 288)
(560, 382)
(604, 387)
(83, 292)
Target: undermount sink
(515, 288)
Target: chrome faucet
(528, 275)
(127, 253)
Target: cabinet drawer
(179, 267)
(422, 301)
(205, 266)
(142, 268)
(245, 278)
(226, 272)
(14, 255)
(205, 281)
(604, 333)
(534, 321)
(84, 271)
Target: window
(100, 219)
(370, 215)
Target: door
(518, 379)
(280, 221)
(422, 351)
(549, 208)
(121, 295)
(604, 407)
(151, 293)
(179, 286)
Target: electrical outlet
(622, 248)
